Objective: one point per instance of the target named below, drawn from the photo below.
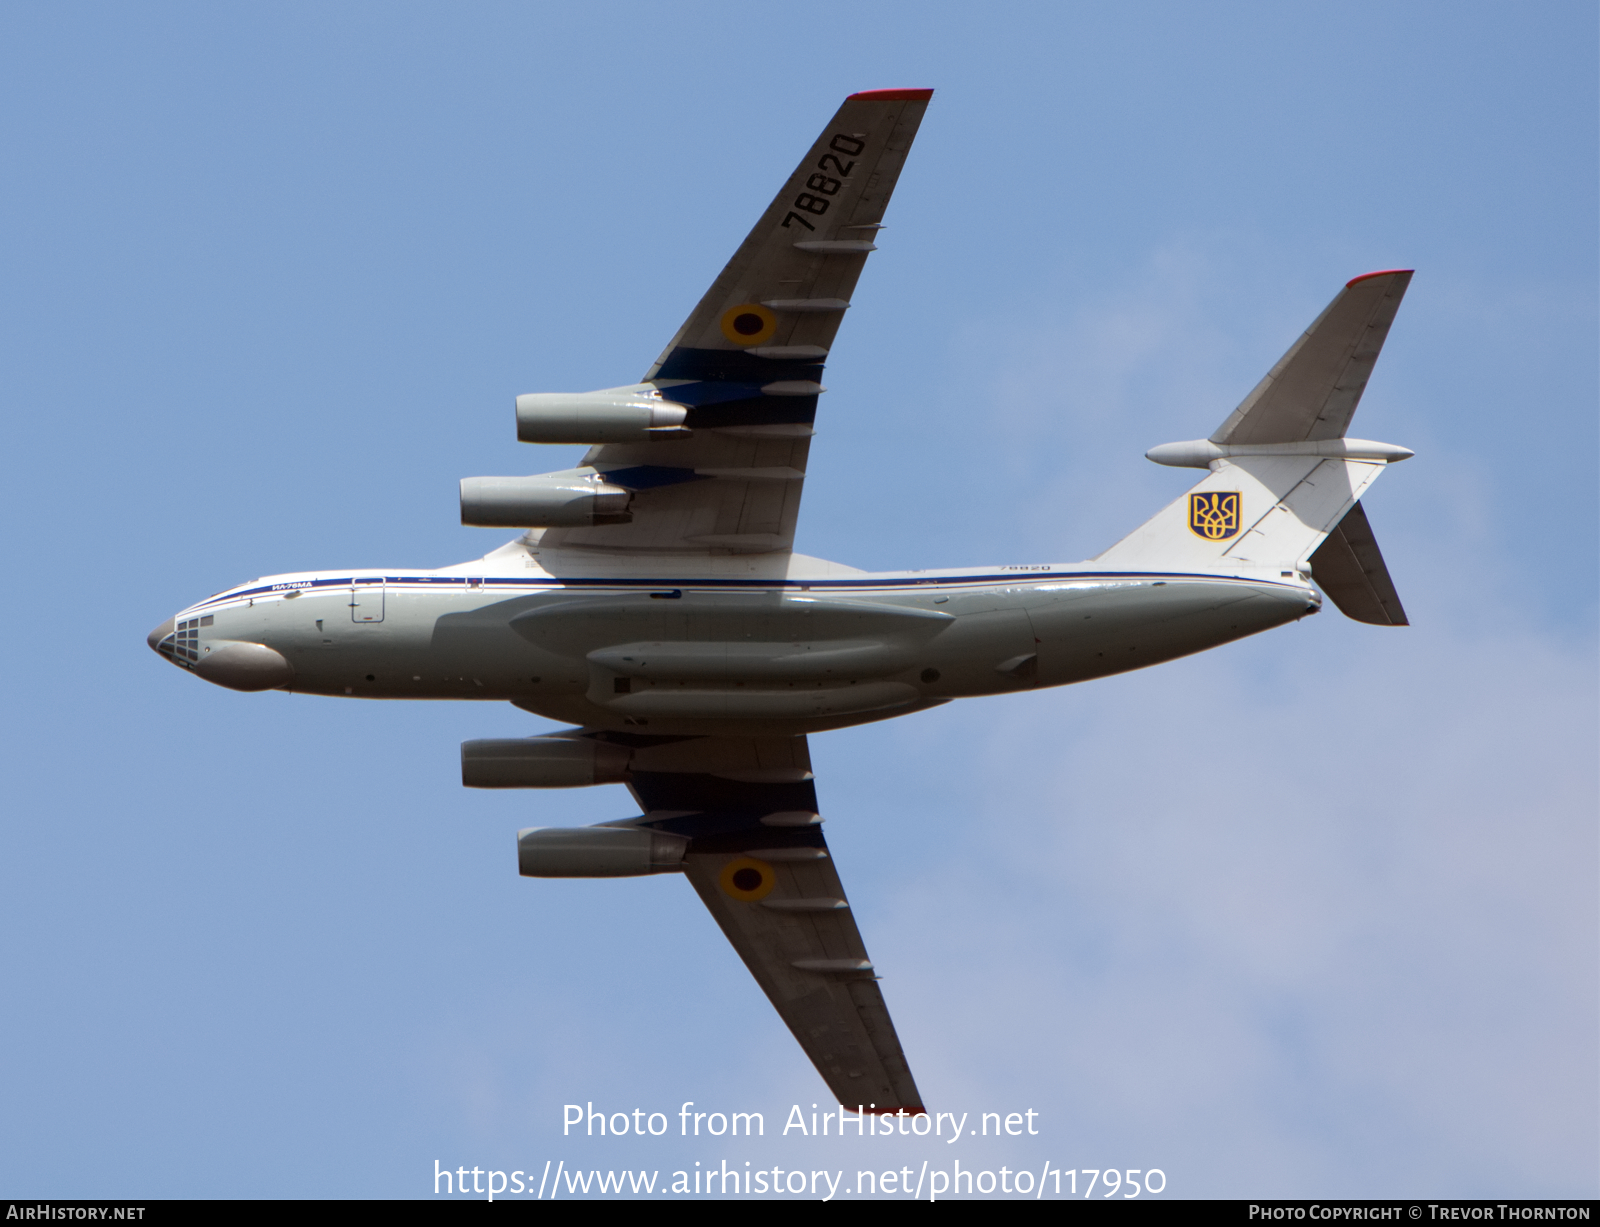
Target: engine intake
(597, 852)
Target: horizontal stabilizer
(1349, 568)
(1313, 391)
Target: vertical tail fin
(1283, 475)
(1250, 512)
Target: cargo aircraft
(655, 604)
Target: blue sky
(1313, 914)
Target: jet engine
(541, 762)
(597, 852)
(551, 501)
(618, 415)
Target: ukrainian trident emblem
(1214, 516)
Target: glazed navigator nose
(178, 641)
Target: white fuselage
(816, 646)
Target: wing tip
(1382, 272)
(891, 95)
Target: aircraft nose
(155, 637)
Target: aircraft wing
(759, 861)
(749, 360)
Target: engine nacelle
(551, 501)
(597, 852)
(615, 416)
(541, 762)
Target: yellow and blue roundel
(749, 324)
(747, 879)
(1215, 515)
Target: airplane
(654, 602)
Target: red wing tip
(1382, 272)
(891, 95)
